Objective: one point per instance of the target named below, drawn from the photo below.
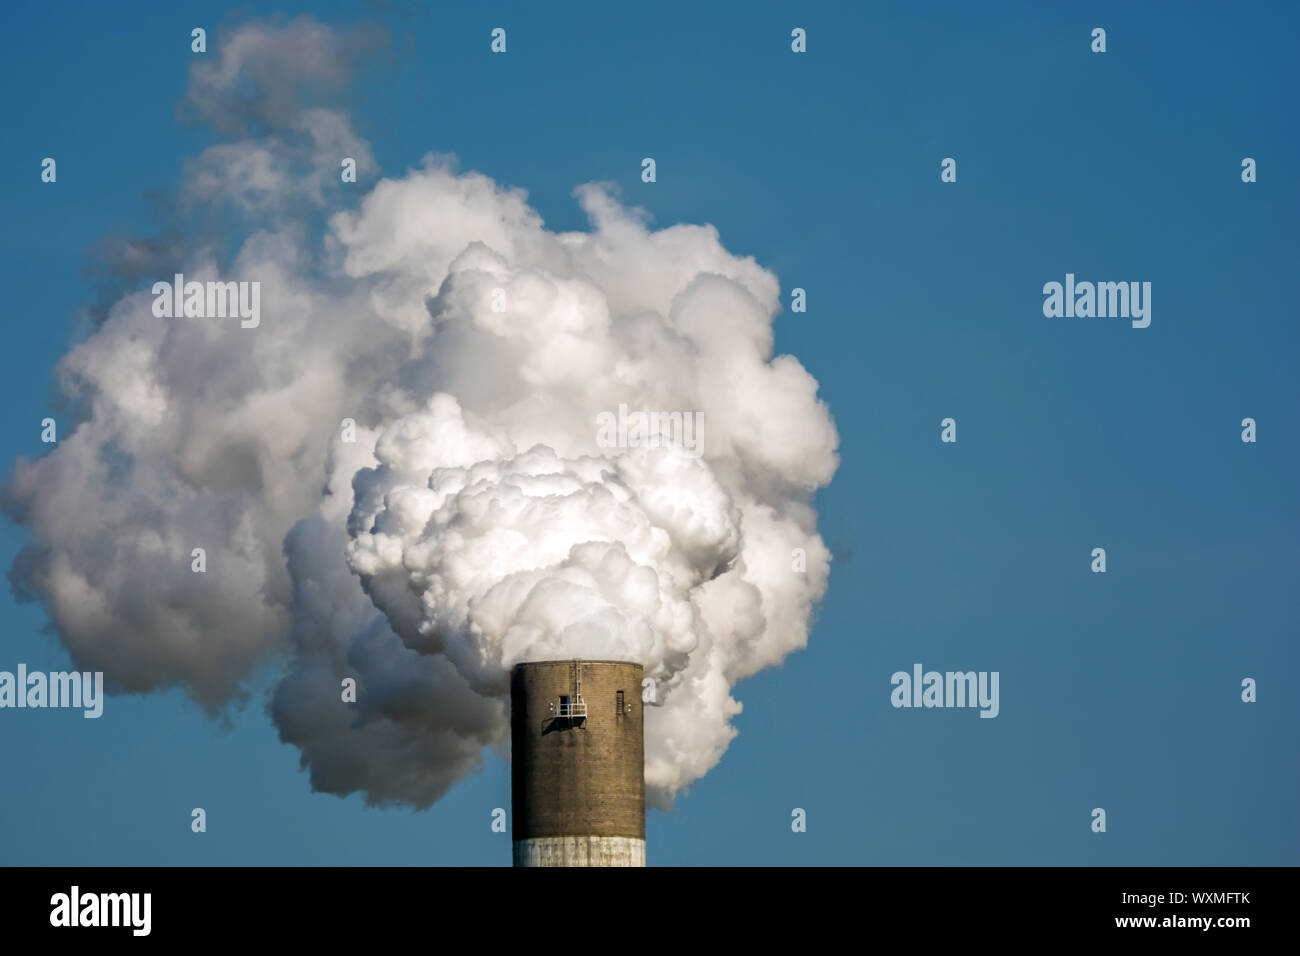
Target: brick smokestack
(578, 764)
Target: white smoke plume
(475, 520)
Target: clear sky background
(1119, 691)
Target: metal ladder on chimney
(579, 708)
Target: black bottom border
(366, 905)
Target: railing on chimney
(570, 708)
(575, 709)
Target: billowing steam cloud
(475, 519)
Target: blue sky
(1119, 691)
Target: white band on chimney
(580, 851)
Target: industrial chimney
(578, 763)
